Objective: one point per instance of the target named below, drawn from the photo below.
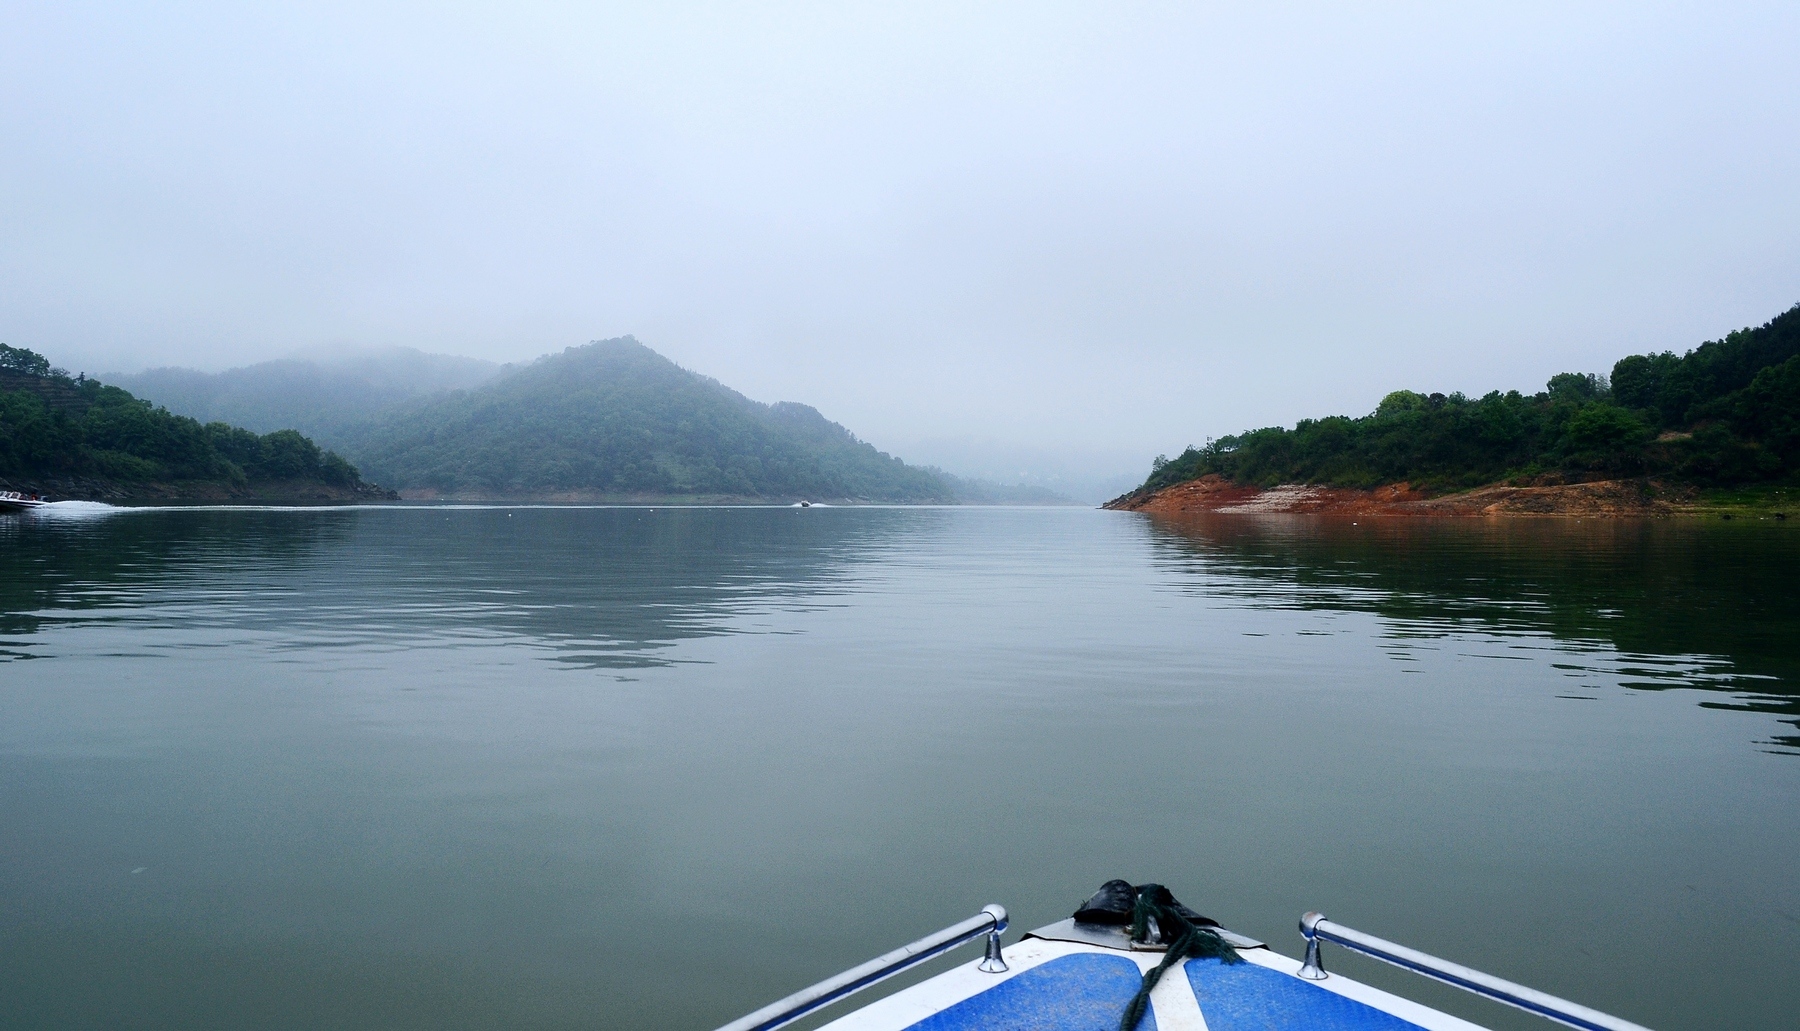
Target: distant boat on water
(13, 501)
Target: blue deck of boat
(1089, 992)
(1252, 998)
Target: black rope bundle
(1154, 913)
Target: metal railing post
(1313, 968)
(993, 962)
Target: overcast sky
(1101, 231)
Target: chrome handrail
(990, 921)
(1315, 928)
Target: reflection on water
(568, 768)
(1647, 604)
(602, 588)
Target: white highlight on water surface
(77, 510)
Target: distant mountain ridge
(614, 419)
(320, 398)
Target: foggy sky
(1100, 231)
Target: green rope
(1186, 940)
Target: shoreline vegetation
(75, 438)
(1715, 431)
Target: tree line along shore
(1716, 429)
(74, 437)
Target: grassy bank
(1779, 503)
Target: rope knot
(1156, 918)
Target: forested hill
(56, 431)
(320, 397)
(1726, 412)
(616, 419)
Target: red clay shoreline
(1637, 497)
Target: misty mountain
(979, 491)
(84, 438)
(320, 398)
(616, 419)
(1029, 472)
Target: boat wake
(77, 510)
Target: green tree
(51, 425)
(20, 360)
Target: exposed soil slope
(1600, 498)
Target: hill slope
(616, 419)
(322, 399)
(1725, 413)
(79, 437)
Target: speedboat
(13, 501)
(1134, 959)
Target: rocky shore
(1630, 497)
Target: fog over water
(985, 236)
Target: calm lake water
(579, 768)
